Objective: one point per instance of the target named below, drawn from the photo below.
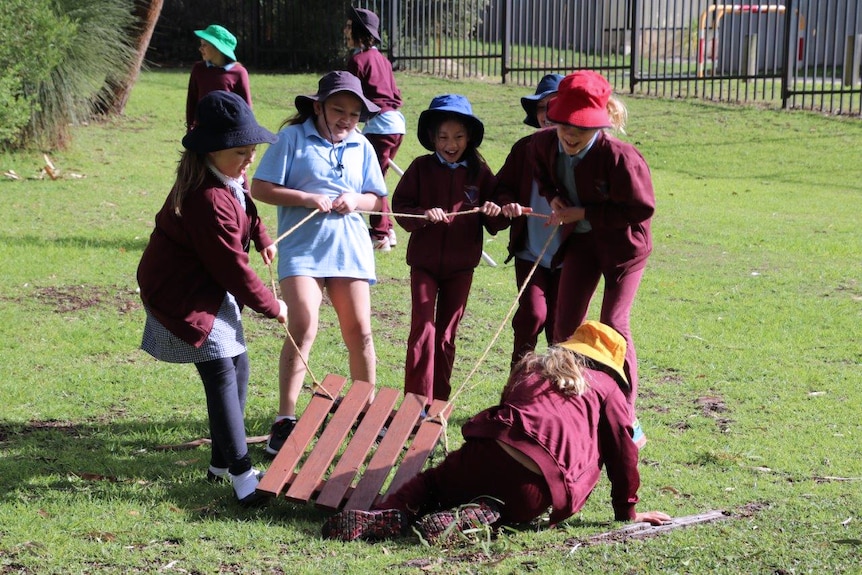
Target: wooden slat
(281, 470)
(423, 444)
(309, 478)
(335, 489)
(387, 454)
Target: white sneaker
(381, 245)
(393, 241)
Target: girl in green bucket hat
(218, 70)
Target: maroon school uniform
(615, 188)
(568, 438)
(442, 258)
(205, 79)
(537, 303)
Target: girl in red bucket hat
(602, 195)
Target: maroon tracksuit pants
(386, 146)
(535, 307)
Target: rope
(506, 318)
(313, 213)
(424, 217)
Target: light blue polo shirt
(328, 245)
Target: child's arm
(405, 199)
(349, 202)
(276, 195)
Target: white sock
(244, 484)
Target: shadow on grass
(78, 462)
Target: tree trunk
(117, 90)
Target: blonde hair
(618, 114)
(191, 171)
(564, 368)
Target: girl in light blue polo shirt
(321, 162)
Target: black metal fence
(791, 53)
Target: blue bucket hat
(449, 104)
(223, 121)
(547, 87)
(332, 83)
(221, 39)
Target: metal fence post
(393, 31)
(852, 57)
(634, 68)
(506, 35)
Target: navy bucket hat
(547, 87)
(449, 104)
(332, 83)
(366, 19)
(224, 120)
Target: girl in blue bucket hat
(518, 193)
(218, 70)
(443, 249)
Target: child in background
(601, 193)
(443, 250)
(195, 276)
(321, 162)
(516, 190)
(218, 70)
(386, 129)
(561, 417)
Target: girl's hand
(268, 254)
(345, 203)
(436, 215)
(319, 202)
(653, 517)
(282, 312)
(513, 210)
(490, 209)
(558, 204)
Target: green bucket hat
(221, 39)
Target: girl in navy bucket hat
(217, 70)
(517, 193)
(385, 130)
(443, 250)
(601, 193)
(322, 163)
(195, 277)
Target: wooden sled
(356, 426)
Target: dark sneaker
(368, 525)
(439, 527)
(279, 434)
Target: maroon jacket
(205, 79)
(515, 184)
(569, 438)
(378, 83)
(192, 260)
(443, 248)
(615, 187)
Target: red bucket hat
(581, 101)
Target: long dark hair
(191, 171)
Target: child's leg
(385, 146)
(419, 367)
(351, 299)
(533, 307)
(303, 295)
(225, 384)
(578, 281)
(451, 303)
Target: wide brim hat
(581, 101)
(224, 120)
(332, 83)
(221, 39)
(547, 87)
(602, 344)
(367, 20)
(449, 104)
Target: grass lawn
(748, 325)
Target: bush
(34, 39)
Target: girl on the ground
(195, 276)
(322, 163)
(386, 129)
(443, 250)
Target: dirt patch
(68, 299)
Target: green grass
(747, 325)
